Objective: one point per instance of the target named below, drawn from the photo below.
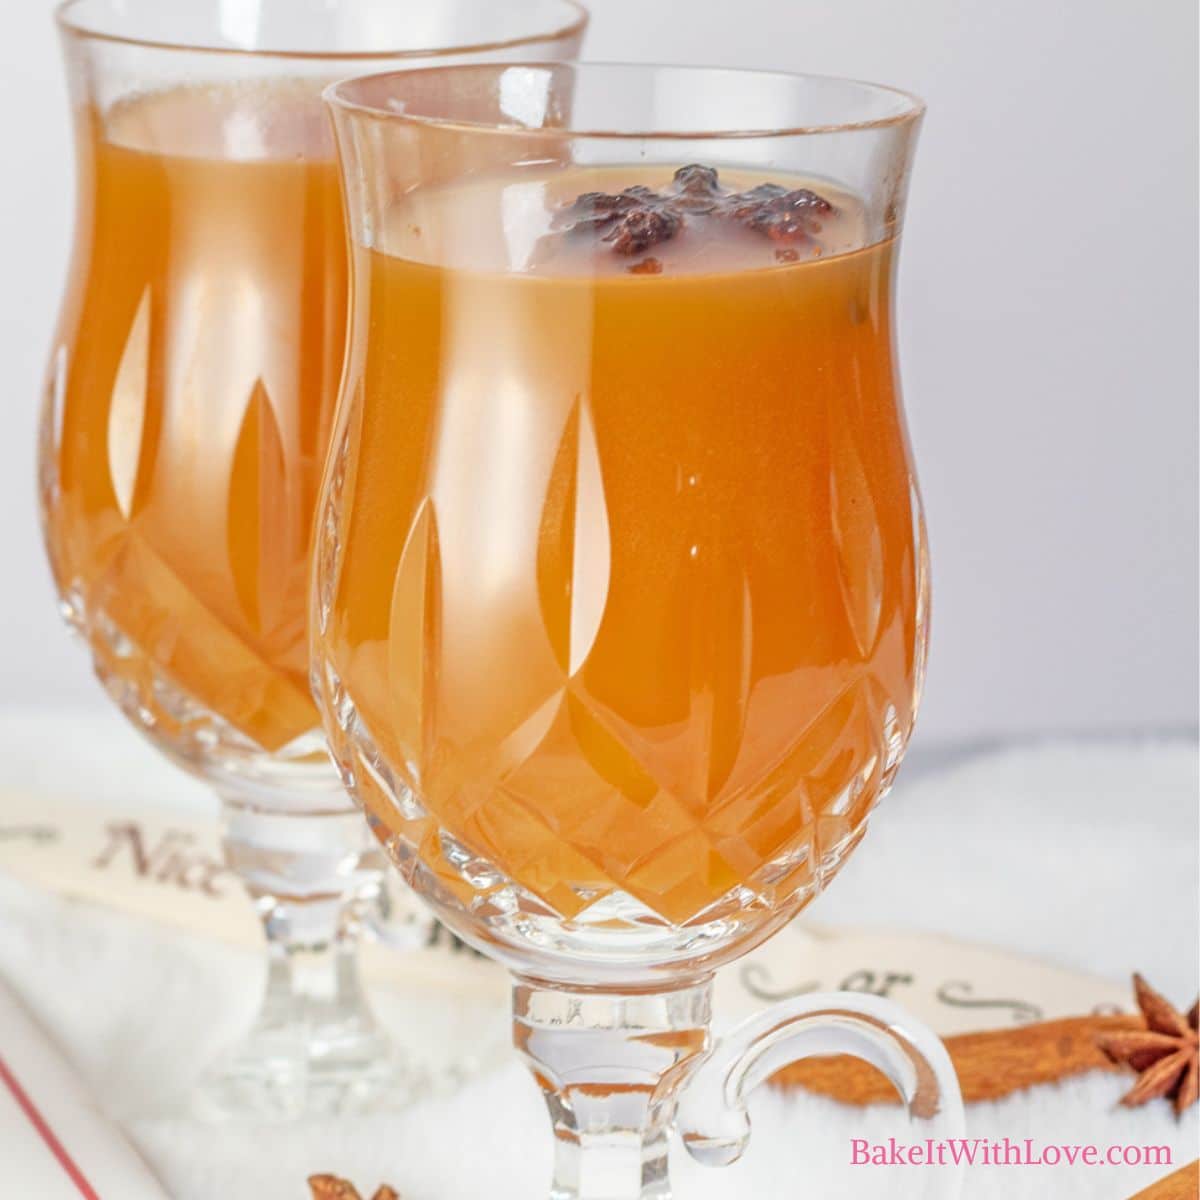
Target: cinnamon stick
(989, 1065)
(1183, 1184)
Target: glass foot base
(277, 1076)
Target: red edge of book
(47, 1134)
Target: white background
(1048, 315)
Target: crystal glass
(621, 585)
(188, 404)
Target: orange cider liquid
(629, 563)
(201, 348)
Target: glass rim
(68, 23)
(336, 95)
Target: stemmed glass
(620, 586)
(187, 409)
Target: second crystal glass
(621, 589)
(188, 405)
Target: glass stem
(610, 1065)
(313, 873)
(312, 971)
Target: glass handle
(712, 1116)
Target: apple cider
(626, 572)
(197, 370)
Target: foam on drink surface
(240, 122)
(618, 220)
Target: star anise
(330, 1187)
(636, 219)
(1164, 1054)
(782, 215)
